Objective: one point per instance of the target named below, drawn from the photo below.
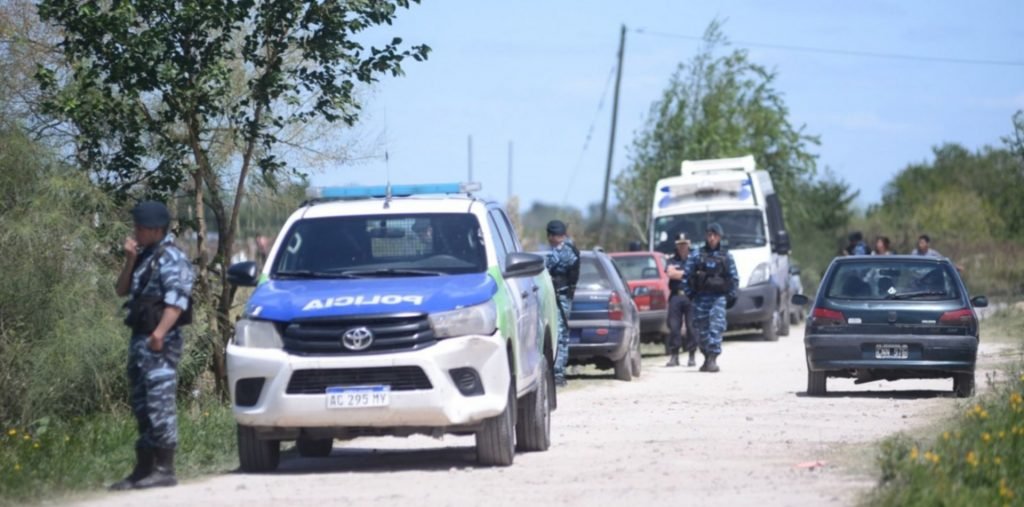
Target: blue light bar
(395, 190)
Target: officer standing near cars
(679, 306)
(563, 263)
(711, 274)
(158, 282)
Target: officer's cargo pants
(709, 321)
(680, 310)
(153, 378)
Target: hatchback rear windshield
(637, 267)
(592, 275)
(371, 245)
(893, 280)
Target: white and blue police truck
(394, 310)
(742, 199)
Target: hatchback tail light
(962, 317)
(658, 300)
(614, 307)
(826, 317)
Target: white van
(733, 193)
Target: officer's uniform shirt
(560, 259)
(677, 287)
(171, 278)
(694, 259)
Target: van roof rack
(692, 167)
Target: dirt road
(676, 435)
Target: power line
(590, 135)
(843, 52)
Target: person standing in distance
(711, 274)
(563, 263)
(158, 282)
(679, 306)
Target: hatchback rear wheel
(963, 385)
(816, 383)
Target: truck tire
(624, 368)
(794, 317)
(533, 417)
(770, 328)
(314, 448)
(255, 455)
(817, 383)
(963, 385)
(636, 363)
(784, 321)
(495, 441)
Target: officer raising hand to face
(679, 307)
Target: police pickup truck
(394, 311)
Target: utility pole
(611, 141)
(469, 156)
(509, 171)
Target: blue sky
(533, 72)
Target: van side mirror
(782, 242)
(800, 299)
(243, 274)
(979, 301)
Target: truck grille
(400, 378)
(391, 333)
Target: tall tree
(714, 106)
(155, 95)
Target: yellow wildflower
(67, 438)
(27, 437)
(914, 453)
(17, 467)
(986, 437)
(983, 414)
(945, 436)
(206, 414)
(36, 445)
(1005, 491)
(12, 432)
(972, 459)
(1002, 434)
(997, 460)
(932, 457)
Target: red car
(648, 283)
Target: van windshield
(391, 245)
(743, 229)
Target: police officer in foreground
(711, 274)
(679, 306)
(158, 282)
(563, 263)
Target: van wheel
(495, 442)
(770, 328)
(533, 421)
(314, 448)
(963, 385)
(817, 383)
(255, 455)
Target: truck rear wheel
(255, 455)
(495, 442)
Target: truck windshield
(743, 229)
(388, 245)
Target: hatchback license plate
(358, 397)
(892, 351)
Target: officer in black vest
(679, 306)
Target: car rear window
(893, 280)
(592, 275)
(637, 267)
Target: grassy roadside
(977, 458)
(53, 458)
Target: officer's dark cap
(151, 214)
(715, 228)
(556, 228)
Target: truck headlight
(761, 274)
(480, 319)
(260, 334)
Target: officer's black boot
(711, 365)
(693, 358)
(143, 467)
(163, 471)
(673, 360)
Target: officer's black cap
(152, 214)
(556, 228)
(715, 228)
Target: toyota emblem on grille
(357, 339)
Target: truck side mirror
(244, 274)
(799, 299)
(782, 242)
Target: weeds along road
(740, 437)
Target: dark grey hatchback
(891, 317)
